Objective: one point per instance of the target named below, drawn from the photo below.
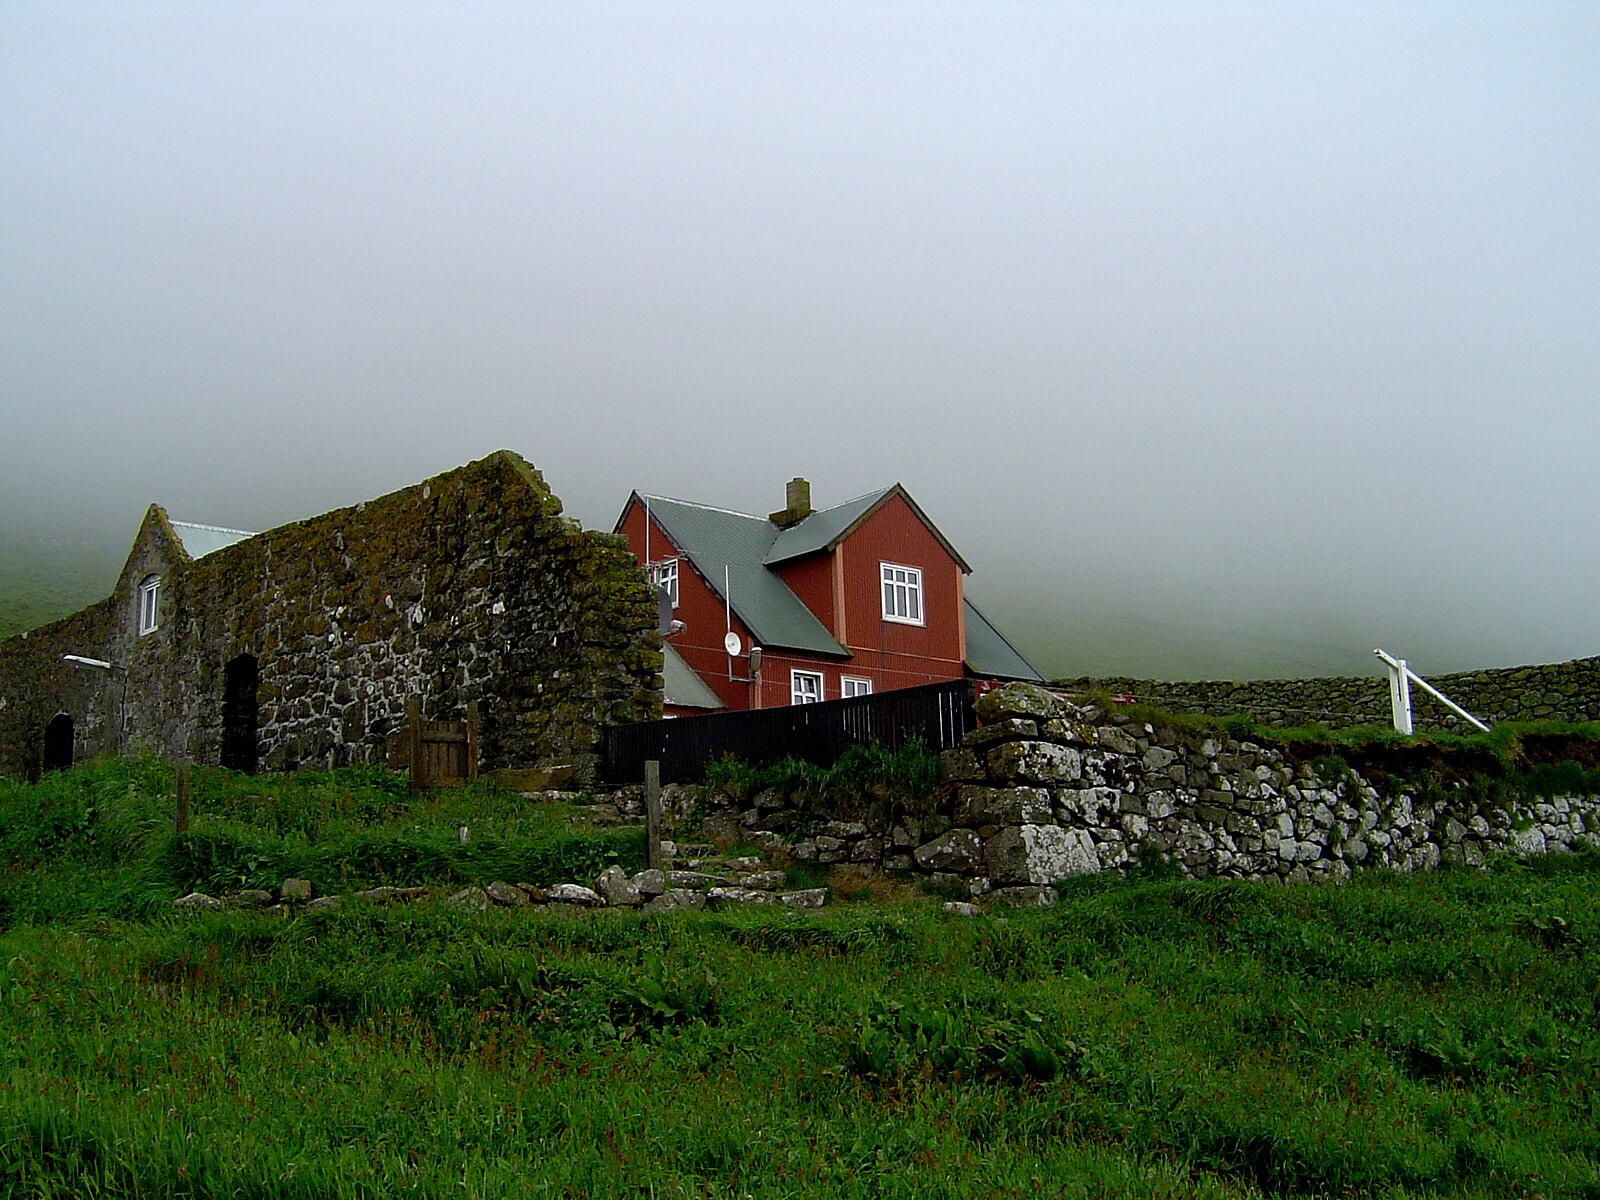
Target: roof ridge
(708, 507)
(854, 499)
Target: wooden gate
(435, 753)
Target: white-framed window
(149, 604)
(902, 594)
(852, 685)
(805, 687)
(664, 574)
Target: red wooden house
(807, 605)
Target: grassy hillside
(41, 581)
(1428, 1036)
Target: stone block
(958, 850)
(1035, 762)
(1032, 854)
(1002, 806)
(1017, 700)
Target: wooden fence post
(472, 740)
(414, 737)
(182, 821)
(652, 814)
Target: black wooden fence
(938, 713)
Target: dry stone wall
(1047, 789)
(470, 586)
(1568, 691)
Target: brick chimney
(797, 504)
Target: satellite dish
(663, 610)
(732, 644)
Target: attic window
(902, 594)
(149, 604)
(665, 575)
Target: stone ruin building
(302, 646)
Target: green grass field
(1424, 1036)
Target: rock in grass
(697, 880)
(469, 897)
(804, 898)
(763, 881)
(295, 889)
(719, 898)
(960, 908)
(650, 883)
(322, 904)
(249, 898)
(617, 889)
(197, 900)
(675, 898)
(573, 893)
(506, 894)
(391, 895)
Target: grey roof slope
(822, 529)
(828, 527)
(990, 654)
(681, 686)
(714, 539)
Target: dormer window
(902, 594)
(149, 605)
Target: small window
(852, 686)
(150, 605)
(805, 687)
(902, 594)
(665, 575)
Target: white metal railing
(1400, 679)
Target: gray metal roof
(681, 686)
(201, 540)
(715, 539)
(989, 653)
(821, 529)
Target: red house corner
(805, 605)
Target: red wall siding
(894, 654)
(811, 578)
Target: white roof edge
(244, 533)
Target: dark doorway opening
(58, 743)
(239, 679)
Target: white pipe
(87, 662)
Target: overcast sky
(1225, 339)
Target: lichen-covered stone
(1025, 700)
(1002, 805)
(1034, 762)
(1039, 854)
(959, 850)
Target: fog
(1221, 339)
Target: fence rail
(937, 713)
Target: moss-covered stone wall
(470, 586)
(1568, 691)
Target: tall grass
(1434, 1035)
